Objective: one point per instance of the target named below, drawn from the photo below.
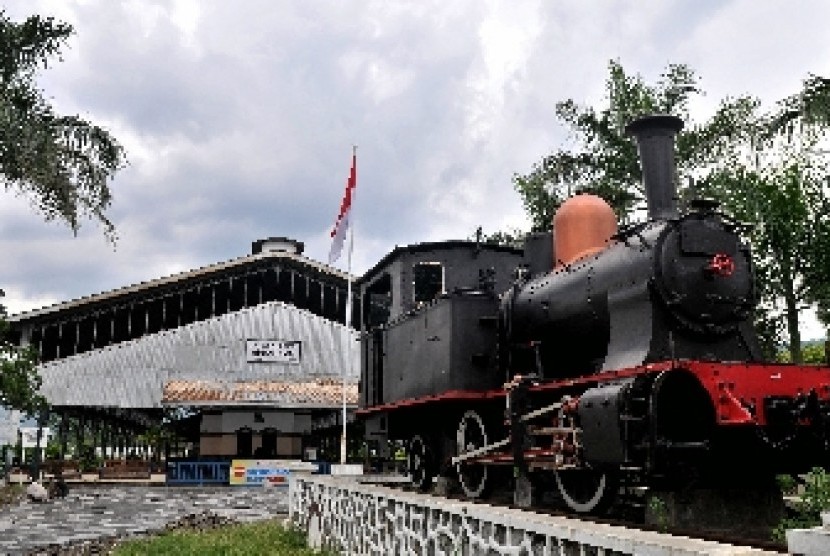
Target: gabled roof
(193, 274)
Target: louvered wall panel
(132, 374)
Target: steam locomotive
(596, 357)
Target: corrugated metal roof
(322, 393)
(173, 279)
(133, 374)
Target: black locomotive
(595, 359)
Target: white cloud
(506, 37)
(239, 118)
(17, 301)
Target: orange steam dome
(582, 226)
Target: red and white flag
(341, 226)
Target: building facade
(256, 346)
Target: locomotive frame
(616, 361)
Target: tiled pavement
(91, 512)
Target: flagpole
(348, 362)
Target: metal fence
(198, 472)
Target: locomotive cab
(429, 330)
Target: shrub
(807, 509)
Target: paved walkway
(91, 512)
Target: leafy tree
(764, 167)
(604, 160)
(781, 186)
(810, 109)
(782, 200)
(814, 354)
(19, 381)
(61, 163)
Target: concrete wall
(230, 421)
(218, 431)
(357, 519)
(222, 445)
(225, 445)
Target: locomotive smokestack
(655, 142)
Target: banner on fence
(248, 472)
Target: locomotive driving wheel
(585, 490)
(419, 463)
(471, 435)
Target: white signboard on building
(273, 351)
(29, 435)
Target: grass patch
(11, 494)
(264, 537)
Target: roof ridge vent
(279, 244)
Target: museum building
(254, 349)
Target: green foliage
(809, 107)
(12, 494)
(784, 200)
(787, 484)
(660, 512)
(19, 380)
(604, 160)
(808, 507)
(814, 354)
(778, 181)
(53, 449)
(268, 537)
(61, 163)
(88, 461)
(769, 330)
(811, 354)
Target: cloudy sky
(239, 117)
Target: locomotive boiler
(607, 361)
(671, 287)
